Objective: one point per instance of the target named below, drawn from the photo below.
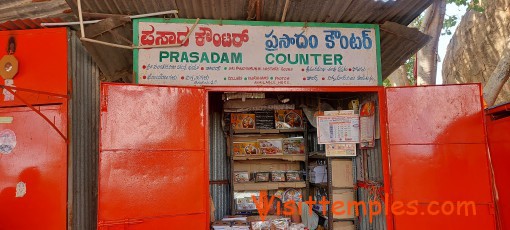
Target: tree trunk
(427, 56)
(399, 77)
(498, 78)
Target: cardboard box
(345, 196)
(343, 225)
(288, 119)
(294, 145)
(342, 173)
(271, 146)
(242, 121)
(246, 148)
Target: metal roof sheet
(24, 24)
(398, 42)
(348, 11)
(19, 9)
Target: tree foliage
(450, 22)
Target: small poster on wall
(333, 150)
(367, 125)
(338, 129)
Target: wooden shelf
(343, 219)
(268, 185)
(322, 155)
(249, 212)
(316, 155)
(267, 131)
(320, 185)
(301, 157)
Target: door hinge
(104, 100)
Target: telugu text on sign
(239, 53)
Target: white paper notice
(338, 129)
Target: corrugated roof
(398, 42)
(19, 9)
(24, 24)
(349, 11)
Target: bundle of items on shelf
(255, 223)
(273, 222)
(231, 223)
(275, 176)
(246, 200)
(283, 119)
(277, 146)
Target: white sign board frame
(255, 53)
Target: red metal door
(498, 132)
(438, 158)
(33, 169)
(153, 169)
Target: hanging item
(8, 67)
(367, 125)
(9, 63)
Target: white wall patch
(8, 96)
(6, 120)
(21, 189)
(7, 141)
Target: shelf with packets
(295, 157)
(267, 147)
(250, 186)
